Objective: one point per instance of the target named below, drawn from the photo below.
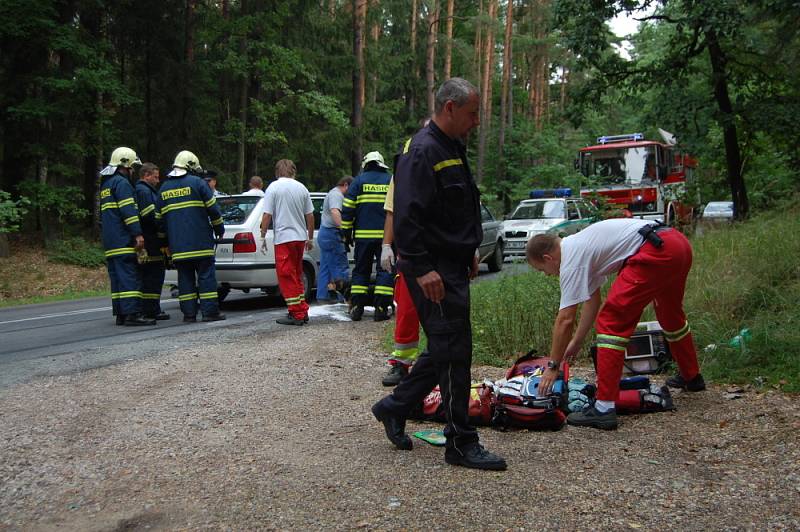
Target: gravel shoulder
(272, 430)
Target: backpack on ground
(480, 405)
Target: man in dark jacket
(191, 219)
(122, 237)
(437, 230)
(151, 265)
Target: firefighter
(652, 263)
(191, 219)
(362, 221)
(151, 265)
(437, 229)
(122, 237)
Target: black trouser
(447, 359)
(152, 274)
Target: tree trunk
(5, 249)
(448, 45)
(562, 100)
(505, 104)
(356, 118)
(430, 62)
(727, 120)
(375, 32)
(412, 94)
(486, 89)
(244, 88)
(188, 59)
(478, 42)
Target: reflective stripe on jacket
(362, 209)
(119, 216)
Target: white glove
(264, 246)
(387, 257)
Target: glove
(264, 246)
(347, 238)
(219, 232)
(387, 257)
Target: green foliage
(63, 202)
(77, 251)
(11, 212)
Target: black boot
(290, 320)
(395, 374)
(189, 319)
(394, 426)
(120, 319)
(381, 314)
(138, 319)
(476, 457)
(213, 317)
(356, 312)
(696, 384)
(161, 316)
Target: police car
(240, 262)
(548, 211)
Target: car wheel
(222, 292)
(495, 262)
(308, 282)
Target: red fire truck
(645, 177)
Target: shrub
(77, 251)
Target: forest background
(244, 83)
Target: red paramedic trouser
(289, 267)
(406, 327)
(651, 274)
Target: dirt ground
(273, 432)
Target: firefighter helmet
(374, 156)
(124, 157)
(188, 161)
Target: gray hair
(458, 90)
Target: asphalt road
(69, 336)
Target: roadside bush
(76, 251)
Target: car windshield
(719, 207)
(539, 210)
(236, 209)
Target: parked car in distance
(717, 211)
(563, 216)
(240, 262)
(491, 250)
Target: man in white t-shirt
(652, 262)
(288, 207)
(256, 187)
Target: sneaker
(381, 314)
(590, 417)
(395, 374)
(214, 317)
(356, 312)
(475, 457)
(190, 319)
(290, 321)
(133, 320)
(697, 384)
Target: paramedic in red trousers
(406, 327)
(288, 207)
(362, 219)
(151, 267)
(652, 262)
(122, 237)
(191, 220)
(437, 228)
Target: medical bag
(647, 351)
(480, 405)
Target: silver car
(563, 216)
(491, 250)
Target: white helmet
(374, 156)
(124, 157)
(188, 161)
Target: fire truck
(644, 178)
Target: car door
(574, 222)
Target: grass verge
(64, 296)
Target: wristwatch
(552, 364)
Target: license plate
(515, 245)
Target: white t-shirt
(588, 257)
(288, 201)
(254, 192)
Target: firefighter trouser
(367, 253)
(289, 267)
(333, 264)
(651, 274)
(406, 327)
(126, 285)
(197, 279)
(447, 359)
(152, 274)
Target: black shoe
(356, 312)
(120, 319)
(133, 320)
(475, 457)
(161, 316)
(381, 314)
(291, 321)
(305, 320)
(395, 374)
(697, 384)
(590, 417)
(214, 317)
(394, 426)
(190, 319)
